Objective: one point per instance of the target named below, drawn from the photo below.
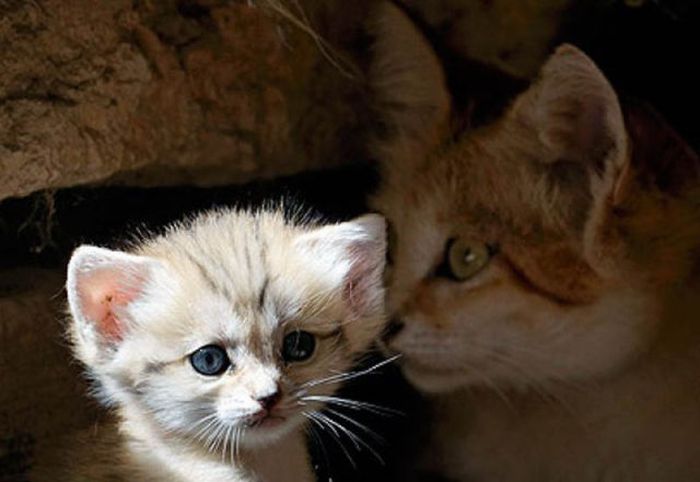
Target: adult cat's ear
(410, 88)
(351, 257)
(572, 120)
(101, 285)
(576, 116)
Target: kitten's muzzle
(267, 405)
(268, 402)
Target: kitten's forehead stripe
(209, 278)
(263, 290)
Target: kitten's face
(518, 248)
(221, 331)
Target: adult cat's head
(530, 250)
(230, 328)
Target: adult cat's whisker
(537, 386)
(493, 385)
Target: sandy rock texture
(159, 92)
(512, 35)
(165, 91)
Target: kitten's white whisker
(351, 435)
(373, 434)
(354, 404)
(239, 435)
(343, 377)
(225, 439)
(323, 424)
(357, 441)
(205, 424)
(311, 429)
(359, 425)
(217, 437)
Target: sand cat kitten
(543, 274)
(217, 341)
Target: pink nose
(268, 402)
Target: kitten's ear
(409, 84)
(353, 255)
(575, 114)
(101, 284)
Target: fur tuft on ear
(352, 256)
(575, 112)
(409, 83)
(101, 284)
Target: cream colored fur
(237, 279)
(573, 356)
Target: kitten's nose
(392, 329)
(269, 401)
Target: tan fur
(237, 279)
(573, 356)
(513, 36)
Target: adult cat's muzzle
(392, 329)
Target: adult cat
(544, 274)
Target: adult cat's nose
(392, 329)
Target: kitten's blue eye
(298, 346)
(210, 360)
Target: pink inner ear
(102, 295)
(359, 282)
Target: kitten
(544, 274)
(217, 342)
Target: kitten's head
(530, 250)
(231, 326)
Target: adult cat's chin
(433, 380)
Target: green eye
(464, 258)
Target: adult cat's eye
(464, 258)
(210, 360)
(298, 346)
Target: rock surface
(163, 91)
